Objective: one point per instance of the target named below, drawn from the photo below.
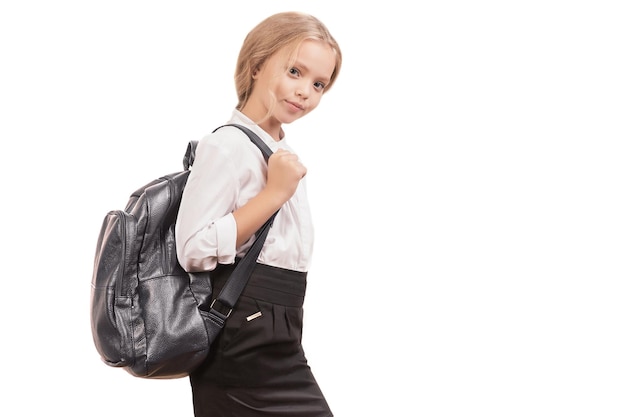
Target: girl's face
(297, 89)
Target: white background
(467, 178)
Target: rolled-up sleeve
(215, 243)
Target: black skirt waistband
(267, 283)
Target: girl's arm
(284, 172)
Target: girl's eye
(319, 86)
(293, 71)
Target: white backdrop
(466, 174)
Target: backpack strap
(190, 154)
(265, 150)
(223, 304)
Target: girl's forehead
(319, 55)
(307, 48)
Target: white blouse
(228, 171)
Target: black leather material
(148, 315)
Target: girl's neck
(269, 125)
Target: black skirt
(257, 366)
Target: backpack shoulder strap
(190, 154)
(227, 298)
(253, 137)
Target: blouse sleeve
(206, 230)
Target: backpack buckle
(221, 311)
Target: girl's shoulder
(229, 148)
(227, 140)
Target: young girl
(257, 366)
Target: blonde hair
(282, 30)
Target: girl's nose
(302, 91)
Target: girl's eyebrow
(300, 65)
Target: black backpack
(148, 315)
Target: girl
(257, 366)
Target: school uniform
(257, 366)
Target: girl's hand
(284, 172)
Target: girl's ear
(255, 73)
